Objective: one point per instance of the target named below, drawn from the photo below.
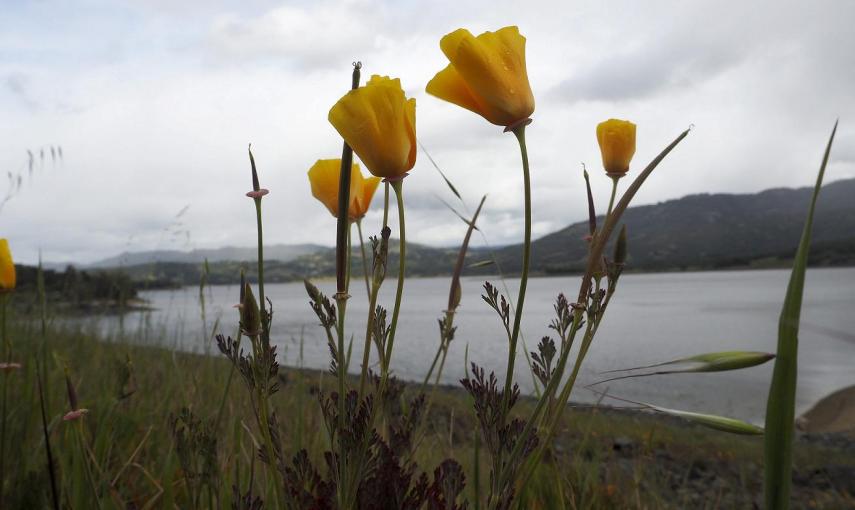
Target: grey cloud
(647, 71)
(307, 36)
(19, 86)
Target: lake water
(653, 318)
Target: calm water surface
(653, 318)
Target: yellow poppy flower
(487, 75)
(617, 145)
(379, 123)
(7, 267)
(324, 179)
(360, 206)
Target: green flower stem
(341, 305)
(402, 265)
(612, 199)
(386, 204)
(547, 395)
(372, 303)
(552, 422)
(81, 443)
(261, 302)
(226, 390)
(264, 405)
(519, 132)
(364, 257)
(436, 357)
(343, 272)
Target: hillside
(705, 231)
(282, 252)
(710, 231)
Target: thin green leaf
(432, 162)
(455, 292)
(780, 407)
(481, 263)
(462, 218)
(592, 215)
(466, 361)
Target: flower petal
(324, 178)
(491, 77)
(7, 267)
(449, 86)
(363, 201)
(378, 122)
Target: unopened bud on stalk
(257, 191)
(314, 293)
(75, 412)
(250, 317)
(381, 254)
(617, 145)
(592, 215)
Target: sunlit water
(653, 318)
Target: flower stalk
(519, 132)
(397, 185)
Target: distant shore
(834, 414)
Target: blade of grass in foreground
(780, 408)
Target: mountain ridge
(698, 231)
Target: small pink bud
(522, 122)
(75, 415)
(8, 366)
(257, 194)
(396, 178)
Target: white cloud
(154, 104)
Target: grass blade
(48, 452)
(709, 362)
(441, 173)
(780, 408)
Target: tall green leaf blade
(780, 408)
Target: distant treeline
(76, 288)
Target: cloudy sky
(154, 102)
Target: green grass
(132, 457)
